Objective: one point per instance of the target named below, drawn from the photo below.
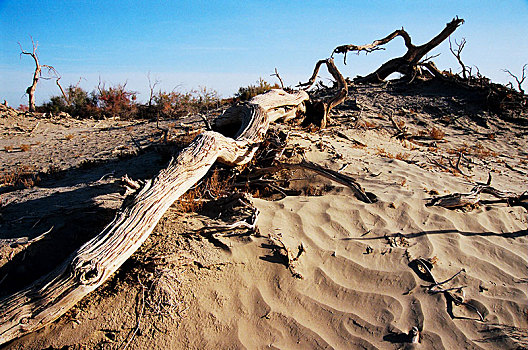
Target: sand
(352, 287)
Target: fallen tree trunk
(91, 265)
(406, 64)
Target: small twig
(435, 291)
(447, 280)
(278, 77)
(343, 167)
(105, 175)
(140, 316)
(206, 122)
(34, 128)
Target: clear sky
(226, 44)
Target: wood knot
(24, 320)
(88, 273)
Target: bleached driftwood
(459, 200)
(91, 265)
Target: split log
(406, 64)
(92, 264)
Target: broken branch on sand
(459, 200)
(425, 268)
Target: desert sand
(352, 286)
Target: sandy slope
(357, 290)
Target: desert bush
(246, 93)
(23, 108)
(178, 104)
(116, 101)
(24, 176)
(436, 134)
(80, 103)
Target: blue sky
(226, 44)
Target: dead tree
(458, 55)
(406, 64)
(519, 81)
(37, 74)
(90, 266)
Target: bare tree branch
(37, 74)
(321, 109)
(458, 54)
(519, 81)
(375, 45)
(276, 74)
(406, 64)
(152, 86)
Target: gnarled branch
(318, 114)
(405, 64)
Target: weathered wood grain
(91, 265)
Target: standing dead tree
(408, 64)
(458, 55)
(519, 81)
(37, 74)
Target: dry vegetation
(24, 176)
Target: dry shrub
(432, 149)
(491, 136)
(22, 176)
(246, 93)
(179, 104)
(8, 148)
(212, 187)
(68, 137)
(25, 147)
(409, 145)
(436, 134)
(402, 156)
(382, 152)
(116, 101)
(367, 125)
(477, 150)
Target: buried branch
(473, 198)
(424, 268)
